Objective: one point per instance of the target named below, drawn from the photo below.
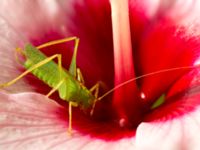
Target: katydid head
(19, 55)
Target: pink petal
(33, 18)
(30, 121)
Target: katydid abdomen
(50, 73)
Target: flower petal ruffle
(10, 38)
(176, 134)
(28, 121)
(32, 121)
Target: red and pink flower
(119, 40)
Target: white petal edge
(177, 134)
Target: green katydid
(68, 83)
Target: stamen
(123, 57)
(123, 60)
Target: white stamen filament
(123, 58)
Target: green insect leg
(56, 42)
(94, 89)
(55, 88)
(80, 76)
(73, 67)
(74, 104)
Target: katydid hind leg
(71, 104)
(60, 41)
(55, 88)
(70, 118)
(73, 66)
(45, 61)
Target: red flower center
(141, 46)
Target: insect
(69, 83)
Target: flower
(116, 44)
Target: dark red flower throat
(117, 44)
